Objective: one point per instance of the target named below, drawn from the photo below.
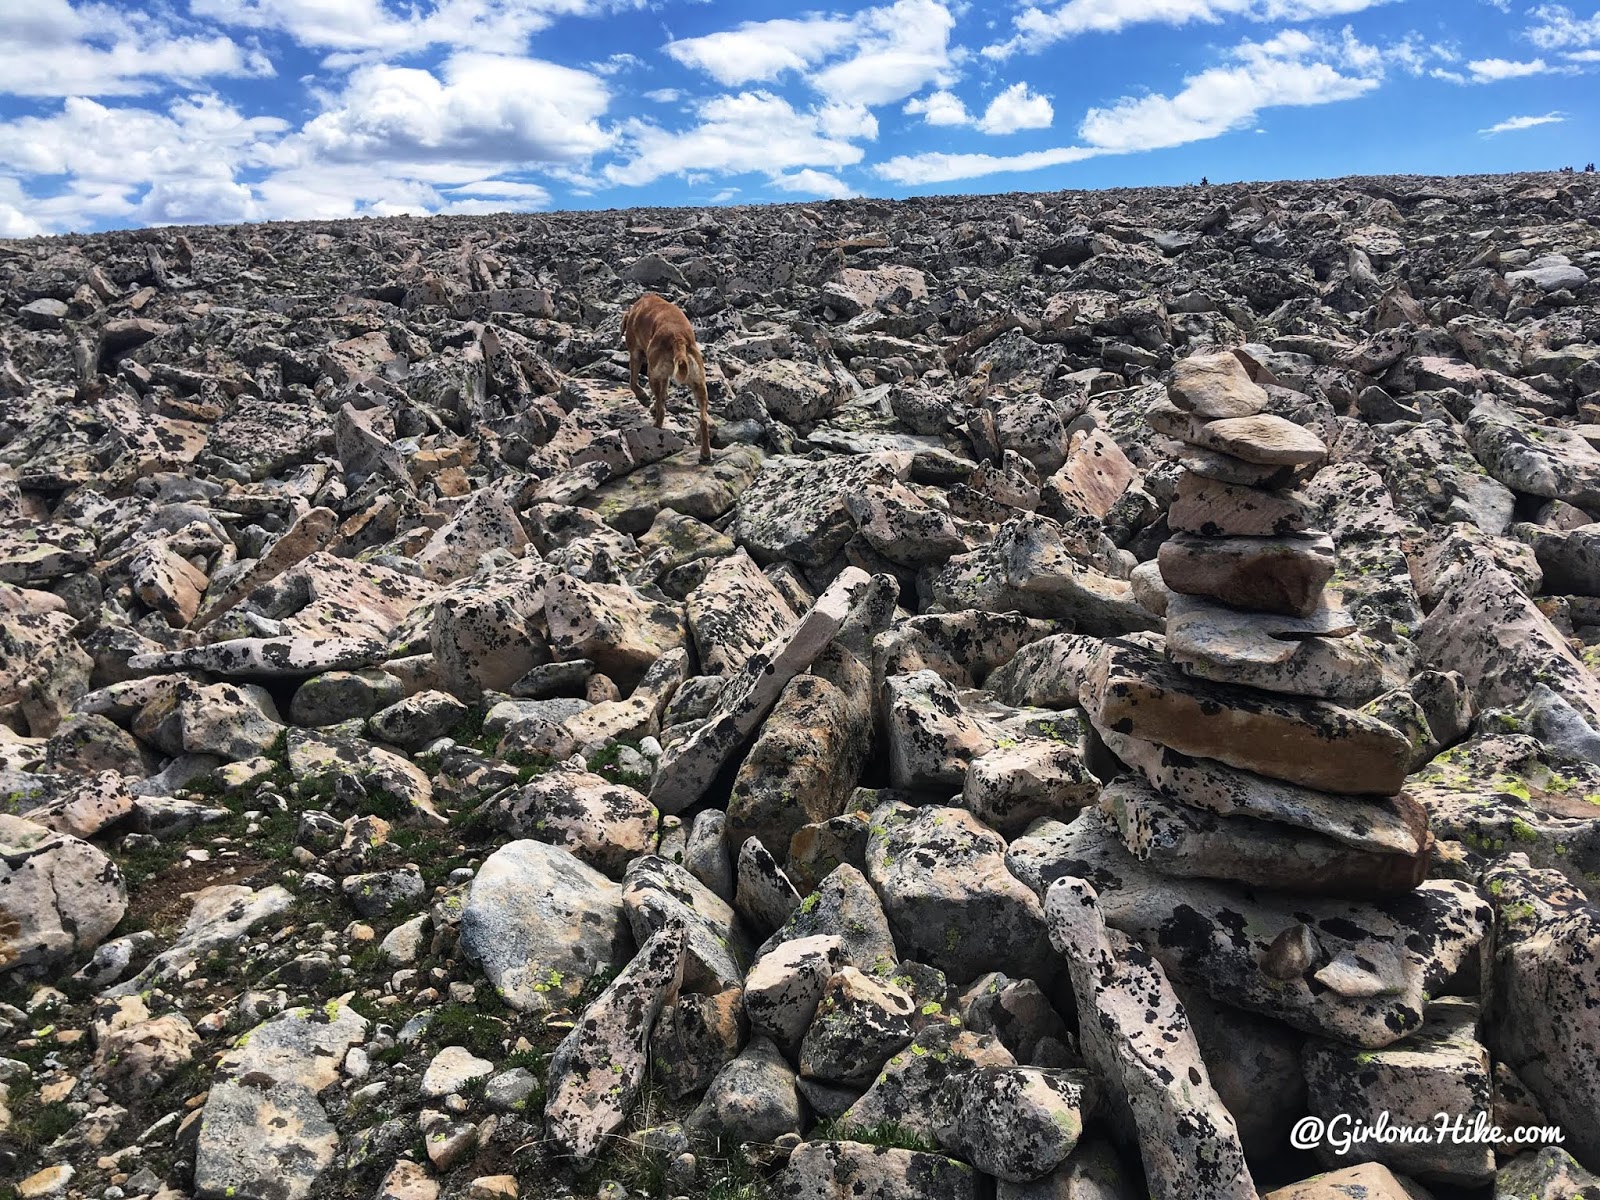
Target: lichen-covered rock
(1348, 970)
(763, 895)
(845, 906)
(1550, 1174)
(1442, 1068)
(597, 1070)
(220, 914)
(920, 1087)
(734, 612)
(783, 988)
(860, 1021)
(1136, 1036)
(619, 630)
(1187, 842)
(806, 761)
(487, 631)
(796, 510)
(540, 923)
(139, 1058)
(932, 740)
(848, 1170)
(949, 897)
(657, 893)
(1537, 460)
(1014, 785)
(1018, 1123)
(603, 823)
(1547, 949)
(264, 1134)
(752, 1099)
(1486, 627)
(688, 767)
(1369, 1181)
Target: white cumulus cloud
(877, 56)
(812, 182)
(750, 131)
(55, 48)
(1492, 70)
(942, 107)
(1017, 108)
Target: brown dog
(658, 334)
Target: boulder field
(1126, 688)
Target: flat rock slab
(1137, 1038)
(1295, 656)
(1362, 969)
(689, 767)
(1193, 843)
(268, 658)
(1262, 574)
(1215, 509)
(264, 1134)
(1384, 825)
(1309, 742)
(597, 1070)
(1265, 440)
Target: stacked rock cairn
(1250, 709)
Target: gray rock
(949, 897)
(264, 1134)
(1370, 966)
(860, 1021)
(1018, 1123)
(1545, 961)
(688, 767)
(1442, 1068)
(657, 893)
(752, 1099)
(845, 906)
(61, 896)
(841, 1170)
(540, 923)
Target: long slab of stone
(1135, 691)
(688, 768)
(1382, 824)
(1195, 844)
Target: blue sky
(116, 114)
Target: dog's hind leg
(659, 380)
(697, 383)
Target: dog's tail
(680, 363)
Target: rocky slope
(1127, 682)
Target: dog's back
(658, 336)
